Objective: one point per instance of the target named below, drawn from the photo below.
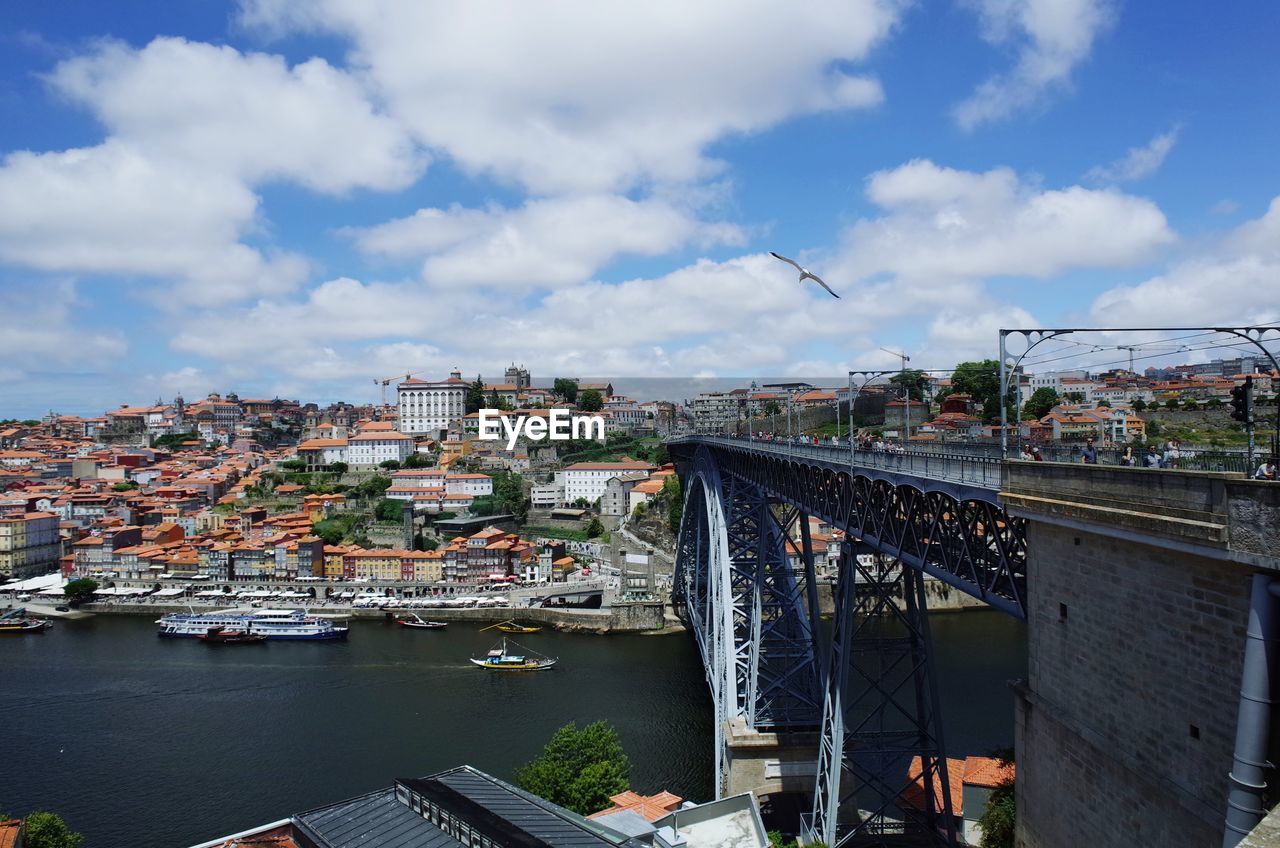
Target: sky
(297, 199)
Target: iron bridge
(747, 584)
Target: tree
(330, 532)
(594, 528)
(48, 830)
(417, 460)
(578, 769)
(1041, 401)
(981, 381)
(772, 407)
(675, 502)
(1171, 403)
(338, 468)
(390, 464)
(292, 465)
(591, 401)
(484, 505)
(125, 486)
(81, 589)
(475, 396)
(1104, 404)
(389, 509)
(566, 388)
(509, 496)
(914, 381)
(1139, 404)
(998, 819)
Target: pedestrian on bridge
(1267, 470)
(1089, 456)
(1152, 459)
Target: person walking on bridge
(1152, 459)
(1089, 456)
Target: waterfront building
(29, 544)
(488, 554)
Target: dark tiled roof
(524, 819)
(376, 820)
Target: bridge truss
(747, 582)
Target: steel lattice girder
(745, 606)
(970, 543)
(880, 712)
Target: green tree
(509, 496)
(389, 509)
(1171, 403)
(475, 396)
(484, 505)
(914, 380)
(1139, 404)
(125, 486)
(591, 401)
(81, 589)
(48, 830)
(675, 502)
(1104, 403)
(578, 769)
(329, 531)
(390, 464)
(567, 388)
(1041, 401)
(292, 465)
(772, 407)
(418, 460)
(998, 819)
(981, 381)
(338, 468)
(594, 528)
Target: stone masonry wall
(1142, 657)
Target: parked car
(63, 608)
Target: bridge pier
(1138, 600)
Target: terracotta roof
(9, 831)
(652, 807)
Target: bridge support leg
(882, 776)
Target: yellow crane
(386, 381)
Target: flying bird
(805, 273)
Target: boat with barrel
(222, 635)
(17, 621)
(501, 658)
(416, 621)
(268, 623)
(510, 626)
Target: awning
(170, 593)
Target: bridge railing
(965, 468)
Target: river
(139, 741)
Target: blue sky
(293, 199)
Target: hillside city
(228, 489)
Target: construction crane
(386, 381)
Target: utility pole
(906, 396)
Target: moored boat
(412, 620)
(270, 624)
(510, 626)
(499, 658)
(220, 635)
(17, 621)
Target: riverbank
(620, 618)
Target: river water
(139, 741)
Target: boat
(512, 627)
(500, 658)
(17, 621)
(270, 624)
(413, 620)
(221, 635)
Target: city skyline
(293, 203)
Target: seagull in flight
(805, 273)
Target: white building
(372, 447)
(589, 479)
(547, 495)
(431, 406)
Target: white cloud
(1140, 162)
(248, 116)
(1231, 283)
(944, 224)
(580, 96)
(1052, 37)
(111, 210)
(549, 242)
(41, 334)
